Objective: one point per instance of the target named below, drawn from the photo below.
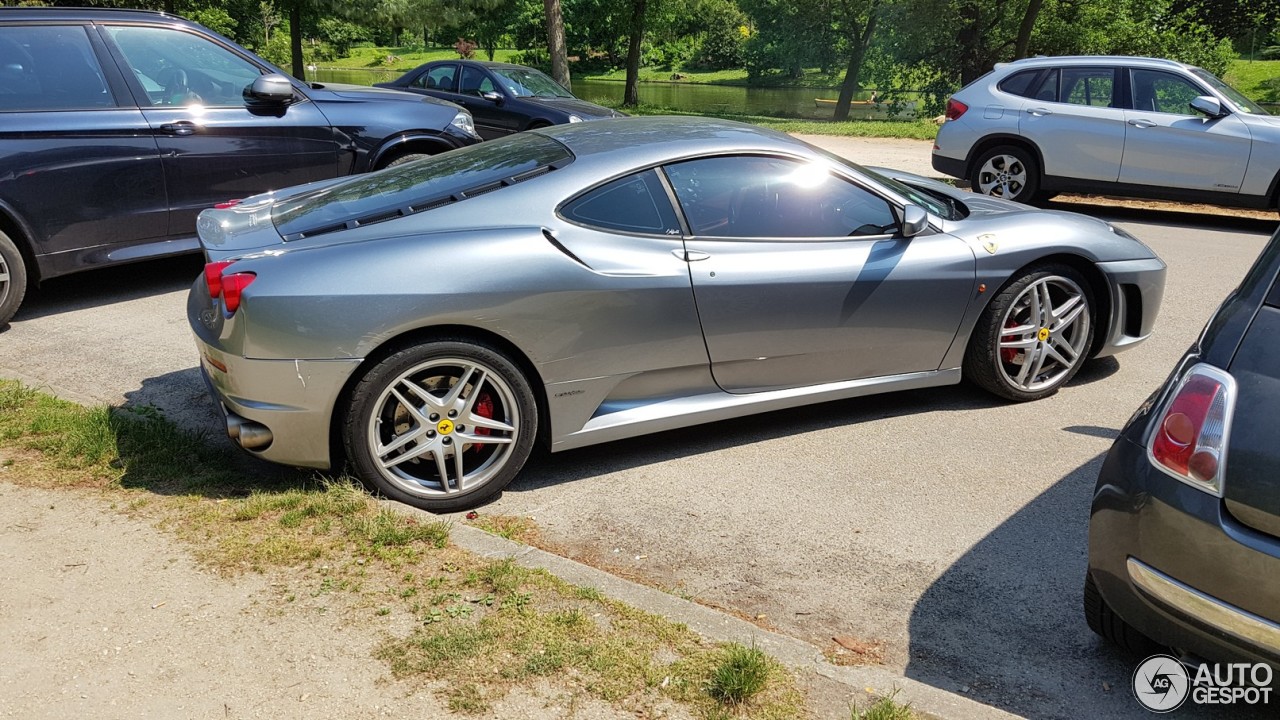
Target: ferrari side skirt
(709, 407)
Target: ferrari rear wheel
(443, 426)
(1034, 336)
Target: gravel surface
(946, 525)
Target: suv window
(1047, 88)
(636, 204)
(766, 197)
(1094, 87)
(1019, 83)
(181, 68)
(419, 186)
(1163, 92)
(437, 78)
(50, 67)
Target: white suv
(1131, 126)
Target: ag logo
(1161, 684)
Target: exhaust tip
(247, 433)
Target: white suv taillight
(1190, 437)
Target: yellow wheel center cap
(445, 427)
(1043, 335)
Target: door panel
(214, 148)
(82, 168)
(1071, 118)
(1167, 145)
(492, 120)
(825, 292)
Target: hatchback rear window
(418, 186)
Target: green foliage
(740, 675)
(341, 34)
(216, 19)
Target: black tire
(1012, 372)
(1008, 172)
(406, 158)
(376, 420)
(13, 279)
(1103, 621)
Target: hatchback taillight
(227, 286)
(955, 109)
(1190, 437)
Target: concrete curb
(718, 626)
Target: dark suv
(1184, 537)
(119, 127)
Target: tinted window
(49, 67)
(181, 68)
(749, 196)
(1047, 88)
(475, 82)
(636, 203)
(1155, 91)
(1019, 83)
(1088, 86)
(413, 186)
(437, 78)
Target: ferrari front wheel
(1034, 336)
(443, 426)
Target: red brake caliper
(483, 408)
(1009, 354)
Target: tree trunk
(295, 40)
(1024, 30)
(168, 7)
(850, 84)
(555, 43)
(631, 94)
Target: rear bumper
(950, 166)
(1137, 291)
(293, 399)
(1171, 562)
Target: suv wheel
(1006, 172)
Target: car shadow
(1004, 624)
(1216, 219)
(108, 286)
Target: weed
(886, 708)
(740, 675)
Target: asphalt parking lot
(944, 525)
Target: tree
(631, 92)
(555, 43)
(1024, 30)
(858, 18)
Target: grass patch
(404, 57)
(1259, 80)
(740, 675)
(906, 129)
(886, 708)
(480, 627)
(511, 527)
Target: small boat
(825, 102)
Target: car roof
(1073, 60)
(84, 13)
(638, 141)
(478, 63)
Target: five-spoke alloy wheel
(1034, 336)
(1006, 172)
(443, 426)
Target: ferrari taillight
(1190, 436)
(228, 286)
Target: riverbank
(892, 129)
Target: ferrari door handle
(690, 255)
(1142, 123)
(182, 127)
(1039, 112)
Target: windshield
(1242, 103)
(527, 82)
(417, 186)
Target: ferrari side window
(766, 197)
(635, 204)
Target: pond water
(790, 102)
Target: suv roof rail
(82, 10)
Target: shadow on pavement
(1222, 219)
(108, 286)
(1004, 623)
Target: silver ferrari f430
(578, 284)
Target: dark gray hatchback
(118, 127)
(1184, 536)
